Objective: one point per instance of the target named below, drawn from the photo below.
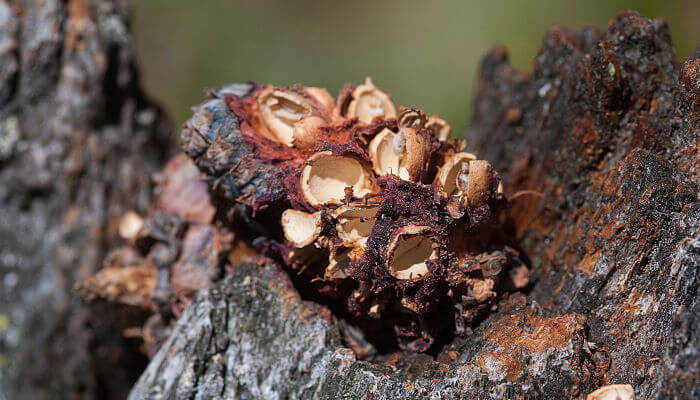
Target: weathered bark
(78, 144)
(251, 336)
(606, 131)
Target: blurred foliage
(425, 53)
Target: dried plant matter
(172, 252)
(380, 211)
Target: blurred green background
(425, 53)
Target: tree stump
(598, 148)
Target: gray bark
(252, 337)
(78, 144)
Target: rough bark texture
(605, 130)
(252, 337)
(608, 133)
(78, 145)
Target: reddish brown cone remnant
(382, 212)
